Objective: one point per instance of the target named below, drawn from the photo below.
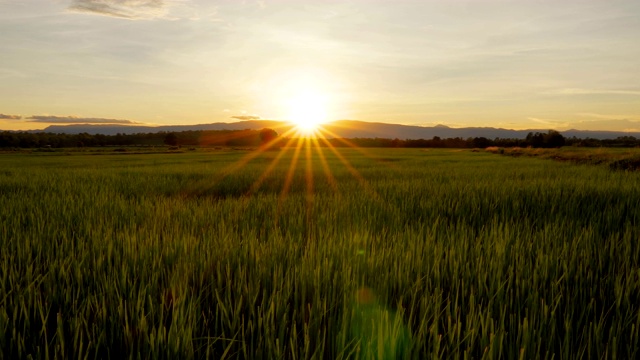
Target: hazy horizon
(485, 63)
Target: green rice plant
(382, 254)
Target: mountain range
(339, 128)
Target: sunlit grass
(200, 255)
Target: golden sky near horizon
(517, 64)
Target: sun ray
(356, 147)
(256, 184)
(363, 182)
(313, 138)
(309, 193)
(205, 186)
(325, 166)
(309, 167)
(352, 170)
(290, 173)
(252, 155)
(355, 173)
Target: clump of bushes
(630, 164)
(495, 150)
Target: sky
(517, 64)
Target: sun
(307, 111)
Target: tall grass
(459, 255)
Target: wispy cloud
(550, 123)
(603, 123)
(607, 116)
(10, 117)
(246, 117)
(574, 91)
(75, 120)
(612, 125)
(126, 9)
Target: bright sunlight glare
(307, 110)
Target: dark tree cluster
(548, 140)
(9, 139)
(254, 138)
(551, 139)
(621, 141)
(267, 136)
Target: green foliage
(468, 254)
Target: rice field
(352, 254)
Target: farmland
(394, 253)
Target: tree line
(254, 138)
(10, 139)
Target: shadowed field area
(344, 253)
(615, 158)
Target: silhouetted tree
(397, 143)
(267, 135)
(535, 140)
(590, 142)
(171, 139)
(482, 142)
(553, 139)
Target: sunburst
(307, 111)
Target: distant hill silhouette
(340, 128)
